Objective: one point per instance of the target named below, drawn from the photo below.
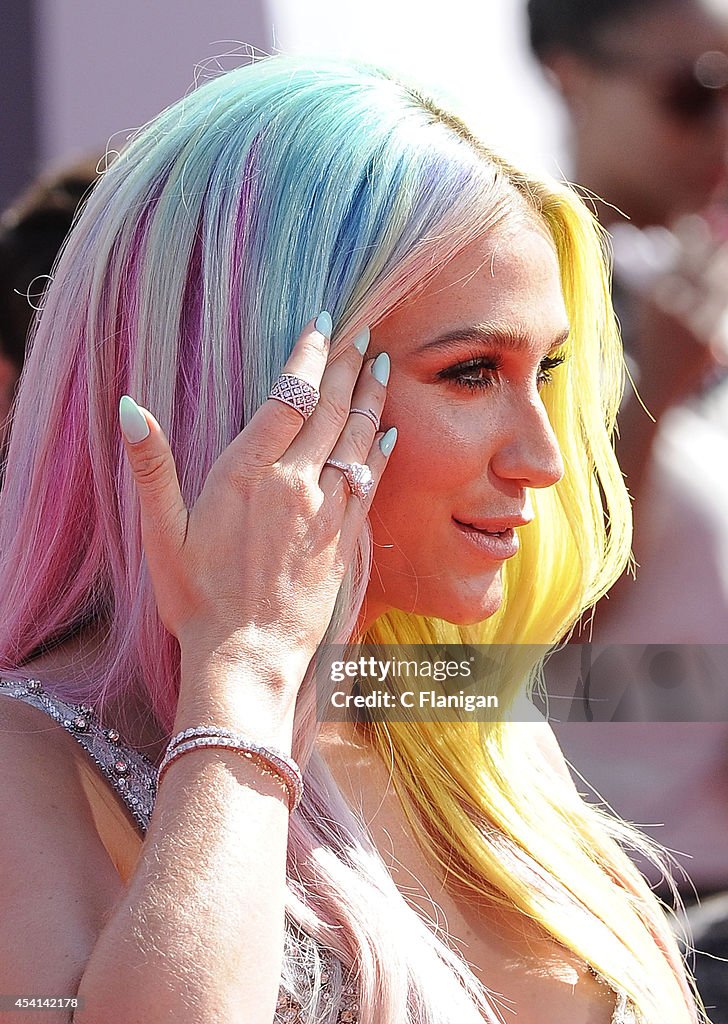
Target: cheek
(438, 459)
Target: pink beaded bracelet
(271, 760)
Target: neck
(373, 606)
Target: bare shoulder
(58, 885)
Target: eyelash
(457, 374)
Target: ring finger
(357, 437)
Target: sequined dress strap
(133, 776)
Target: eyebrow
(503, 335)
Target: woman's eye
(546, 366)
(482, 371)
(476, 373)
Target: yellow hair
(492, 815)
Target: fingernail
(388, 442)
(134, 427)
(361, 341)
(380, 368)
(324, 324)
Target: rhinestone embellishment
(362, 477)
(135, 778)
(129, 772)
(296, 392)
(358, 476)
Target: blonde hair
(492, 815)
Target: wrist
(269, 759)
(248, 649)
(247, 658)
(245, 694)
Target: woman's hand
(254, 567)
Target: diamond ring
(358, 476)
(296, 392)
(370, 415)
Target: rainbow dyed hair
(282, 188)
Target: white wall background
(107, 66)
(474, 51)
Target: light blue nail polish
(133, 424)
(324, 324)
(388, 442)
(380, 368)
(361, 341)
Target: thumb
(163, 511)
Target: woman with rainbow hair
(297, 265)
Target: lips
(482, 529)
(495, 544)
(494, 525)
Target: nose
(529, 454)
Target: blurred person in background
(32, 231)
(645, 84)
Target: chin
(471, 616)
(466, 609)
(462, 606)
